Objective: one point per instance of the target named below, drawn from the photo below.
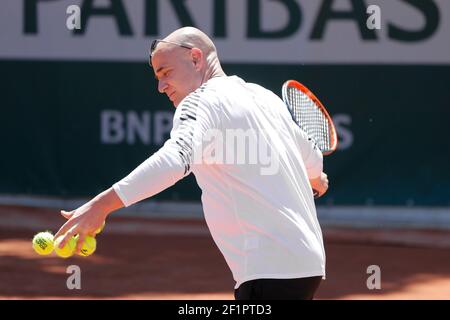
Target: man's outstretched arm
(163, 169)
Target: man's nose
(162, 86)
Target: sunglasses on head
(157, 41)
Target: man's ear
(197, 58)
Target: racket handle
(316, 194)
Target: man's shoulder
(217, 84)
(209, 92)
(230, 85)
(207, 96)
(222, 90)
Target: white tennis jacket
(252, 163)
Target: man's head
(183, 61)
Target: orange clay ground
(160, 259)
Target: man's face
(175, 71)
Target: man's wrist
(107, 202)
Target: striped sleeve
(194, 116)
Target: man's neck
(215, 70)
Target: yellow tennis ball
(68, 249)
(89, 246)
(101, 228)
(43, 243)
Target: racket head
(310, 115)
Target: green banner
(72, 129)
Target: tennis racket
(310, 115)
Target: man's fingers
(66, 214)
(65, 227)
(81, 238)
(66, 237)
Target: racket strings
(310, 118)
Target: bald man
(257, 197)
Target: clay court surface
(160, 259)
